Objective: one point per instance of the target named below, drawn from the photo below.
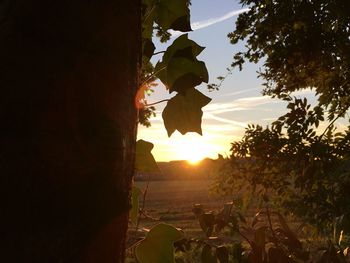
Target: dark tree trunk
(68, 76)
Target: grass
(172, 202)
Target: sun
(193, 151)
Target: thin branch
(159, 52)
(332, 122)
(245, 238)
(270, 225)
(149, 13)
(155, 103)
(143, 203)
(151, 76)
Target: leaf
(179, 69)
(207, 221)
(144, 160)
(208, 255)
(148, 48)
(197, 209)
(158, 245)
(173, 14)
(183, 74)
(184, 112)
(135, 197)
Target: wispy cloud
(212, 21)
(238, 92)
(247, 103)
(224, 120)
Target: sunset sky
(237, 103)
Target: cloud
(247, 103)
(212, 21)
(239, 92)
(224, 120)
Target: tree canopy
(303, 45)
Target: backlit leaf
(184, 112)
(173, 14)
(144, 160)
(158, 245)
(179, 69)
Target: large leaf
(184, 112)
(173, 14)
(135, 197)
(179, 69)
(144, 160)
(158, 245)
(168, 14)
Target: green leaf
(173, 14)
(135, 197)
(182, 47)
(184, 112)
(179, 69)
(208, 255)
(158, 245)
(144, 160)
(183, 74)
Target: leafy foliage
(304, 44)
(305, 173)
(179, 68)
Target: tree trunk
(68, 77)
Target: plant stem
(159, 52)
(155, 103)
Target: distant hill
(180, 170)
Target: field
(172, 202)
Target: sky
(237, 103)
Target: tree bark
(68, 77)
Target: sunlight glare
(193, 150)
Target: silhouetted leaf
(173, 14)
(147, 48)
(184, 112)
(144, 160)
(207, 221)
(179, 69)
(158, 245)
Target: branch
(333, 121)
(149, 13)
(159, 52)
(155, 103)
(151, 76)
